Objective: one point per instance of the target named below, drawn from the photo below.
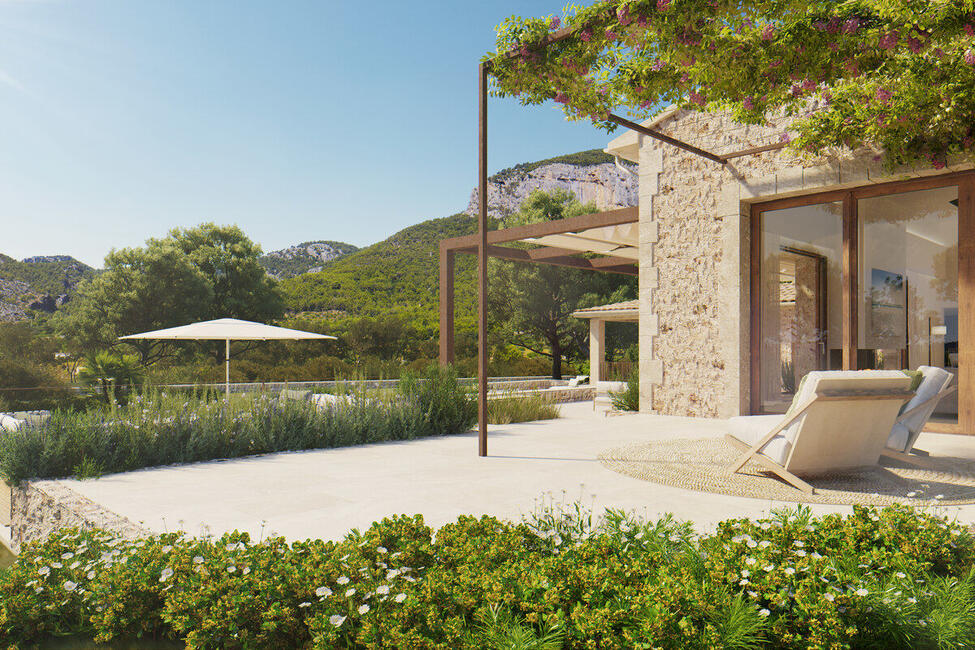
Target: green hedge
(157, 429)
(890, 578)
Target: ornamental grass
(564, 578)
(157, 428)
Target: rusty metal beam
(754, 150)
(680, 144)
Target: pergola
(612, 233)
(618, 312)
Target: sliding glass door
(875, 277)
(908, 279)
(800, 297)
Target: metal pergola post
(482, 184)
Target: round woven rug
(699, 464)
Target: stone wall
(41, 507)
(694, 247)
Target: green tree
(193, 274)
(231, 263)
(141, 289)
(532, 303)
(112, 373)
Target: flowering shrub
(897, 75)
(155, 429)
(563, 578)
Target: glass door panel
(908, 284)
(801, 298)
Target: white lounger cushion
(905, 434)
(751, 428)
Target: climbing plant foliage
(893, 74)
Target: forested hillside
(38, 284)
(398, 276)
(307, 257)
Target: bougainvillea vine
(893, 74)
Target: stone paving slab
(327, 492)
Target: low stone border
(39, 508)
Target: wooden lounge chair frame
(753, 453)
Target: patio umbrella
(227, 329)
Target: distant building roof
(628, 310)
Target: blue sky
(297, 120)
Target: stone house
(756, 271)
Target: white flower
(861, 592)
(91, 575)
(764, 543)
(44, 570)
(743, 582)
(799, 543)
(75, 565)
(56, 565)
(763, 613)
(166, 574)
(70, 586)
(801, 553)
(829, 597)
(231, 568)
(382, 590)
(363, 608)
(67, 556)
(751, 543)
(900, 574)
(321, 592)
(400, 598)
(382, 549)
(167, 549)
(336, 620)
(343, 580)
(789, 570)
(349, 592)
(912, 494)
(304, 604)
(246, 570)
(750, 561)
(939, 496)
(745, 573)
(769, 567)
(198, 559)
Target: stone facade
(39, 508)
(694, 249)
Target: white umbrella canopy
(227, 329)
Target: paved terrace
(325, 493)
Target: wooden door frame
(850, 277)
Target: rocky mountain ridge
(307, 257)
(604, 183)
(41, 283)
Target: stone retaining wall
(42, 507)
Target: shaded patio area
(325, 493)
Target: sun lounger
(915, 414)
(838, 420)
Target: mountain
(308, 257)
(400, 275)
(38, 284)
(592, 176)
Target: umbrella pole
(228, 370)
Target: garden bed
(893, 578)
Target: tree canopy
(193, 274)
(893, 74)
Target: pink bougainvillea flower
(915, 44)
(851, 25)
(662, 5)
(768, 33)
(561, 98)
(749, 104)
(658, 65)
(889, 40)
(970, 29)
(555, 22)
(784, 138)
(970, 57)
(610, 35)
(884, 96)
(698, 98)
(623, 15)
(585, 35)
